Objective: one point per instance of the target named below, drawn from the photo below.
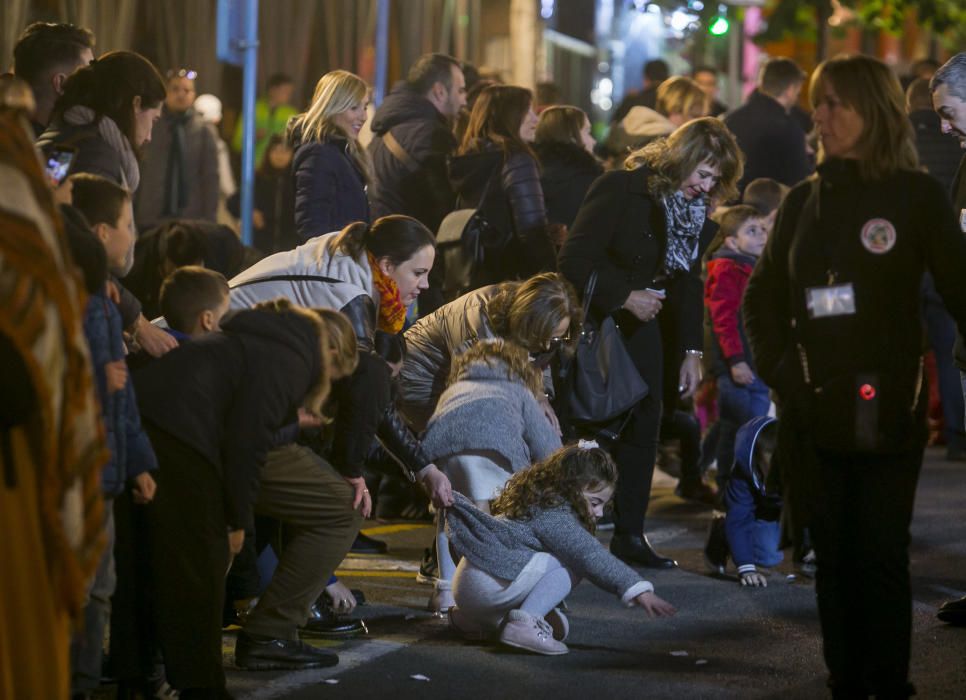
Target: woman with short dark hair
(832, 312)
(566, 152)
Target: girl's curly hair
(558, 480)
(496, 351)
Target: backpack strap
(400, 153)
(288, 278)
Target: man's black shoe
(257, 653)
(953, 612)
(324, 622)
(716, 549)
(699, 493)
(637, 551)
(364, 544)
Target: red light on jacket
(867, 392)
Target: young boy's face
(750, 238)
(119, 238)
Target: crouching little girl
(517, 567)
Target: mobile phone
(58, 165)
(659, 292)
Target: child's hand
(654, 606)
(144, 488)
(116, 375)
(754, 579)
(741, 374)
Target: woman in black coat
(644, 230)
(566, 152)
(832, 312)
(497, 171)
(331, 169)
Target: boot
(637, 551)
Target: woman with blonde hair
(643, 230)
(832, 312)
(330, 166)
(566, 152)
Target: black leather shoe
(637, 551)
(324, 622)
(953, 612)
(364, 544)
(257, 653)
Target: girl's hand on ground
(361, 500)
(340, 597)
(754, 579)
(437, 486)
(654, 606)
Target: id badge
(834, 300)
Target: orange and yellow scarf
(392, 312)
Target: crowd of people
(182, 408)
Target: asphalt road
(725, 642)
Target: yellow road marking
(388, 529)
(356, 573)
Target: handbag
(604, 383)
(464, 242)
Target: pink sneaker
(524, 631)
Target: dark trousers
(190, 558)
(314, 503)
(941, 332)
(859, 521)
(636, 449)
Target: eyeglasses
(553, 343)
(188, 73)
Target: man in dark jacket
(654, 73)
(412, 137)
(948, 87)
(179, 169)
(45, 54)
(772, 140)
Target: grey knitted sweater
(502, 547)
(486, 410)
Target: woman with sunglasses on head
(332, 170)
(643, 230)
(179, 165)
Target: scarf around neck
(392, 312)
(109, 131)
(685, 219)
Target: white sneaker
(524, 631)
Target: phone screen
(58, 165)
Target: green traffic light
(719, 26)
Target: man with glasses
(179, 170)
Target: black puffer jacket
(568, 171)
(514, 205)
(225, 395)
(418, 187)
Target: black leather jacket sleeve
(521, 183)
(400, 442)
(361, 313)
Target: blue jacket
(131, 451)
(747, 498)
(330, 192)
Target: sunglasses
(182, 73)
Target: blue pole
(249, 86)
(382, 50)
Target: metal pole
(249, 86)
(382, 51)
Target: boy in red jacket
(742, 395)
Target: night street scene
(482, 349)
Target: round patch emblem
(878, 236)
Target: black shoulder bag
(604, 383)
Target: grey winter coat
(200, 170)
(502, 547)
(485, 409)
(430, 345)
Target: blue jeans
(736, 406)
(767, 539)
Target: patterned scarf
(685, 219)
(392, 313)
